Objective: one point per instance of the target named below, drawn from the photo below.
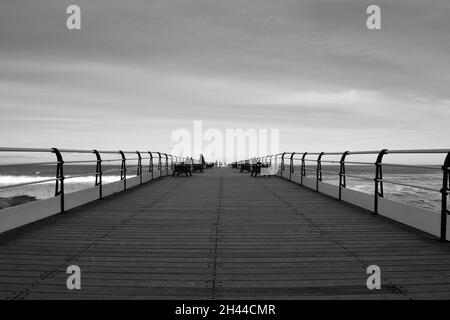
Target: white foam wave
(11, 180)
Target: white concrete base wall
(422, 219)
(78, 198)
(155, 173)
(17, 216)
(132, 182)
(359, 199)
(296, 177)
(113, 187)
(309, 183)
(147, 176)
(329, 189)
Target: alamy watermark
(374, 280)
(74, 278)
(73, 21)
(229, 145)
(373, 22)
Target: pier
(221, 234)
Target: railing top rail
(13, 149)
(6, 149)
(387, 151)
(363, 152)
(420, 151)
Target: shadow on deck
(218, 235)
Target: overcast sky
(137, 70)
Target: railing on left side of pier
(16, 216)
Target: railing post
(159, 164)
(167, 164)
(59, 186)
(139, 167)
(150, 165)
(282, 163)
(445, 191)
(123, 170)
(291, 166)
(342, 179)
(319, 170)
(171, 162)
(99, 174)
(303, 168)
(378, 180)
(276, 162)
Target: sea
(429, 178)
(10, 175)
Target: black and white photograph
(225, 156)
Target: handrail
(60, 164)
(378, 179)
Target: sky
(138, 70)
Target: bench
(256, 168)
(245, 167)
(197, 167)
(180, 168)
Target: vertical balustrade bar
(342, 179)
(444, 191)
(291, 166)
(378, 180)
(282, 163)
(303, 168)
(167, 164)
(123, 170)
(150, 165)
(139, 166)
(276, 163)
(319, 170)
(59, 186)
(99, 174)
(159, 164)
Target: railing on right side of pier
(423, 219)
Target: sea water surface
(11, 175)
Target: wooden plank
(219, 235)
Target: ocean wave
(6, 180)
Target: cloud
(304, 66)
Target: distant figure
(188, 164)
(256, 166)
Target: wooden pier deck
(219, 235)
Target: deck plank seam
(364, 265)
(216, 240)
(50, 274)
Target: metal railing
(377, 180)
(60, 177)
